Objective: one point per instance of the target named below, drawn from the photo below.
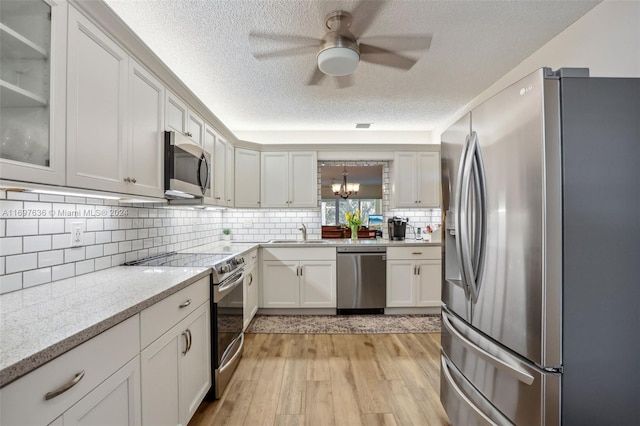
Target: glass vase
(354, 232)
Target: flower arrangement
(354, 221)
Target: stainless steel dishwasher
(362, 280)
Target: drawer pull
(62, 389)
(185, 304)
(417, 252)
(186, 342)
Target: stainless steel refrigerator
(541, 254)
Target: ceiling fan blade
(400, 43)
(363, 15)
(345, 81)
(294, 51)
(287, 38)
(380, 56)
(316, 77)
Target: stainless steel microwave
(187, 168)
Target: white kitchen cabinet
(115, 116)
(103, 372)
(299, 278)
(413, 276)
(251, 287)
(247, 178)
(223, 167)
(176, 370)
(33, 50)
(115, 402)
(416, 180)
(289, 179)
(181, 119)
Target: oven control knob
(225, 268)
(240, 260)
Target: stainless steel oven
(228, 339)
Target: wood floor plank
(319, 349)
(294, 384)
(266, 393)
(379, 419)
(346, 405)
(234, 410)
(289, 420)
(319, 404)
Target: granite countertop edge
(31, 362)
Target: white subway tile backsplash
(51, 226)
(61, 241)
(17, 227)
(63, 271)
(74, 254)
(110, 224)
(103, 263)
(95, 224)
(85, 267)
(28, 196)
(10, 283)
(94, 251)
(10, 246)
(103, 237)
(52, 198)
(35, 277)
(124, 246)
(118, 236)
(110, 249)
(21, 262)
(131, 234)
(117, 259)
(1, 265)
(37, 243)
(2, 228)
(50, 258)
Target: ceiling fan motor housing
(339, 52)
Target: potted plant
(354, 221)
(226, 234)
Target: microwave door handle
(208, 173)
(203, 186)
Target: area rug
(344, 324)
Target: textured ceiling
(473, 43)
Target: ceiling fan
(339, 51)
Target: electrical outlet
(76, 234)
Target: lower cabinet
(299, 283)
(176, 370)
(413, 276)
(97, 382)
(251, 294)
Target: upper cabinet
(181, 119)
(416, 180)
(223, 166)
(33, 90)
(289, 179)
(115, 116)
(247, 178)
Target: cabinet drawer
(302, 253)
(413, 252)
(157, 319)
(23, 401)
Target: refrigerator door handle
(514, 371)
(460, 216)
(480, 241)
(446, 372)
(463, 238)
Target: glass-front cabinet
(32, 90)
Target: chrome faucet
(304, 231)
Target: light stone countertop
(40, 323)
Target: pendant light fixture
(345, 189)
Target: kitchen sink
(299, 242)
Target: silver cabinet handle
(414, 269)
(301, 270)
(190, 339)
(186, 342)
(418, 270)
(127, 179)
(62, 389)
(185, 304)
(134, 180)
(297, 271)
(250, 279)
(417, 252)
(188, 134)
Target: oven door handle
(220, 291)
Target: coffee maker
(397, 228)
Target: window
(342, 206)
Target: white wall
(606, 40)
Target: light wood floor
(323, 379)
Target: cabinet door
(247, 181)
(250, 306)
(274, 179)
(303, 179)
(280, 284)
(160, 379)
(318, 284)
(229, 173)
(210, 148)
(195, 369)
(219, 171)
(116, 401)
(404, 189)
(428, 179)
(96, 113)
(428, 282)
(400, 283)
(33, 52)
(146, 101)
(176, 114)
(195, 128)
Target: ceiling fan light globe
(338, 61)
